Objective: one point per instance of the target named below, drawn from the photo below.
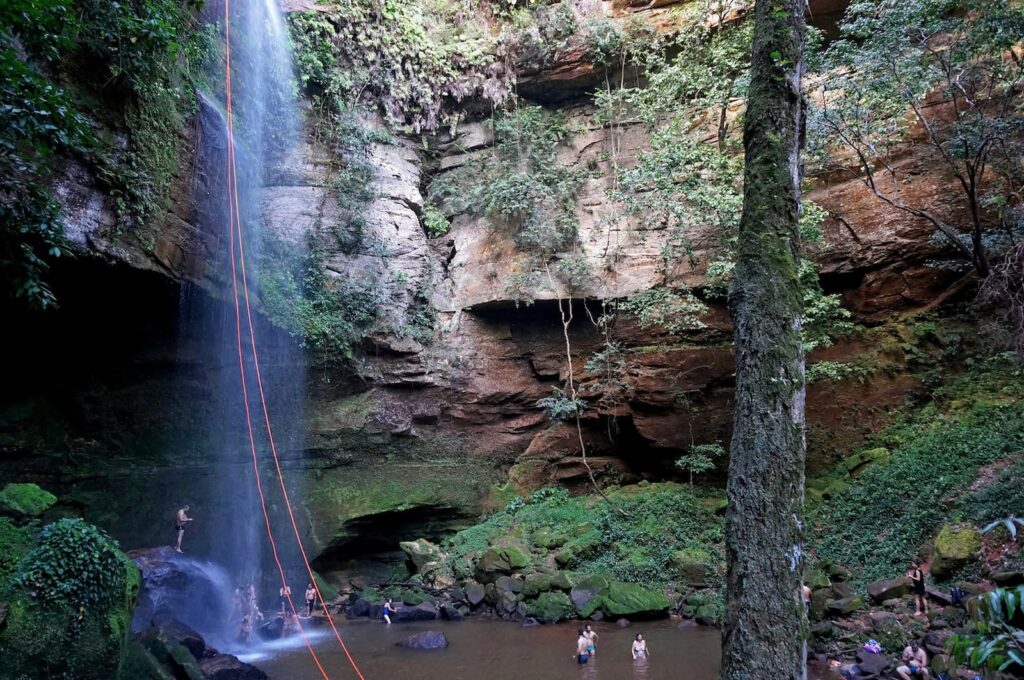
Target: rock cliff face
(423, 430)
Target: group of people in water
(586, 646)
(246, 612)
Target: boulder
(430, 639)
(227, 667)
(838, 572)
(509, 584)
(955, 546)
(551, 607)
(887, 589)
(586, 595)
(562, 580)
(1007, 579)
(882, 620)
(819, 603)
(692, 565)
(707, 615)
(475, 593)
(421, 552)
(841, 589)
(24, 501)
(530, 622)
(823, 629)
(536, 584)
(506, 603)
(450, 613)
(633, 600)
(548, 539)
(858, 462)
(359, 607)
(421, 612)
(501, 560)
(845, 606)
(872, 665)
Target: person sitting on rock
(915, 662)
(388, 610)
(916, 575)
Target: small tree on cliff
(943, 76)
(765, 625)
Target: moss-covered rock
(420, 552)
(551, 607)
(633, 600)
(955, 546)
(14, 542)
(536, 584)
(501, 560)
(692, 564)
(25, 500)
(563, 580)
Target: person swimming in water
(582, 656)
(591, 640)
(639, 649)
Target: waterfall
(266, 125)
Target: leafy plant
(560, 406)
(73, 564)
(434, 221)
(674, 310)
(700, 459)
(994, 642)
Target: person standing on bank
(916, 575)
(181, 518)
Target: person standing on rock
(915, 662)
(640, 650)
(181, 518)
(916, 575)
(591, 640)
(389, 609)
(310, 600)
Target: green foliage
(561, 406)
(998, 501)
(330, 314)
(124, 54)
(633, 539)
(973, 421)
(700, 459)
(960, 54)
(409, 58)
(824, 371)
(676, 311)
(520, 183)
(74, 564)
(994, 641)
(14, 542)
(434, 221)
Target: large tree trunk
(765, 629)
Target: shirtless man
(180, 520)
(582, 656)
(591, 640)
(915, 662)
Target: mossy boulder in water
(633, 600)
(25, 500)
(536, 584)
(71, 606)
(551, 607)
(955, 546)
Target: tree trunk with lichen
(765, 628)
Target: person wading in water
(582, 656)
(181, 518)
(591, 640)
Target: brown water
(497, 650)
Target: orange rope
(237, 226)
(232, 210)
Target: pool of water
(497, 650)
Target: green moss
(25, 500)
(14, 543)
(551, 607)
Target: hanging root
(571, 388)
